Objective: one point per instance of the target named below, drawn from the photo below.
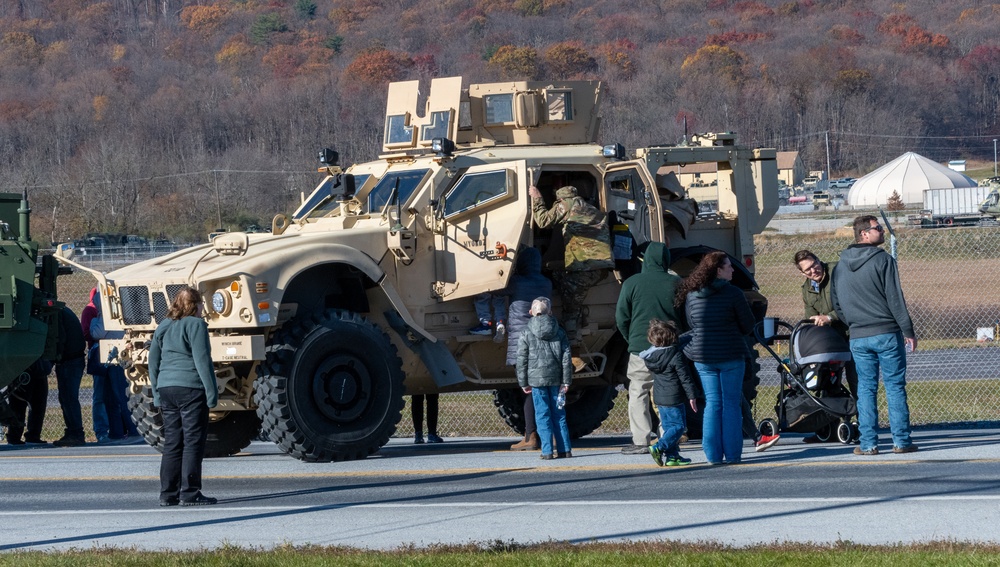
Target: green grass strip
(500, 553)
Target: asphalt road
(473, 490)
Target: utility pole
(828, 172)
(218, 199)
(994, 157)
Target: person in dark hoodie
(720, 318)
(644, 296)
(672, 384)
(72, 349)
(526, 284)
(545, 370)
(867, 296)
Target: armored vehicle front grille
(160, 306)
(172, 290)
(135, 305)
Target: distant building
(790, 168)
(956, 165)
(909, 175)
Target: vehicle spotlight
(616, 151)
(442, 146)
(222, 302)
(329, 157)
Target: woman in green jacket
(184, 388)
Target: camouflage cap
(567, 192)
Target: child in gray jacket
(545, 370)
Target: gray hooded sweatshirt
(866, 293)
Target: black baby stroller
(812, 397)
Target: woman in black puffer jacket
(719, 316)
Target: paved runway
(473, 490)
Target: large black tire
(510, 406)
(147, 417)
(226, 436)
(586, 408)
(331, 387)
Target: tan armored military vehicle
(365, 293)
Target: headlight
(222, 302)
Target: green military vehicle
(364, 294)
(29, 310)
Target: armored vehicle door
(633, 214)
(485, 211)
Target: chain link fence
(946, 276)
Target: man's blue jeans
(119, 385)
(106, 410)
(673, 421)
(722, 428)
(550, 419)
(69, 373)
(888, 353)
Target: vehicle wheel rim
(342, 387)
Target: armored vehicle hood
(267, 251)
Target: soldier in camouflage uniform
(588, 249)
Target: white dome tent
(909, 175)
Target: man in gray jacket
(867, 296)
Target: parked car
(844, 183)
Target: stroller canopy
(817, 344)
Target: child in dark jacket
(672, 384)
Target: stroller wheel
(855, 433)
(845, 433)
(768, 427)
(824, 433)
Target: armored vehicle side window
(397, 132)
(437, 127)
(626, 203)
(408, 182)
(474, 189)
(499, 108)
(560, 105)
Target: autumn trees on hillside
(150, 116)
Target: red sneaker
(766, 441)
